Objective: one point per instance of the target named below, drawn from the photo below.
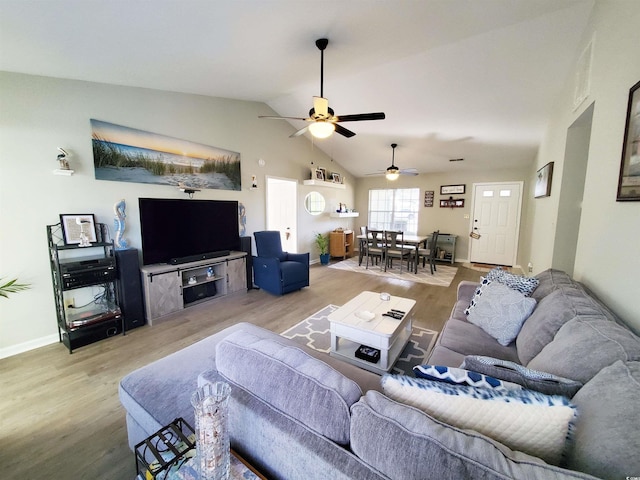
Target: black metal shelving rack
(102, 318)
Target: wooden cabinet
(341, 243)
(446, 248)
(170, 288)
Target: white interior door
(496, 219)
(282, 202)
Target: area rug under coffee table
(314, 333)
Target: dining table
(407, 239)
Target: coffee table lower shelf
(346, 351)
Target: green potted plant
(11, 286)
(322, 242)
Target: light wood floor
(60, 414)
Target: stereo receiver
(87, 271)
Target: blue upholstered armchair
(276, 271)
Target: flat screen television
(178, 231)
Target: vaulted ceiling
(456, 78)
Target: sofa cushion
(550, 280)
(607, 432)
(383, 431)
(584, 346)
(315, 393)
(523, 420)
(468, 339)
(553, 311)
(519, 283)
(512, 372)
(501, 311)
(460, 376)
(443, 356)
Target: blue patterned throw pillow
(519, 283)
(459, 376)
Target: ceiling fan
(323, 121)
(393, 172)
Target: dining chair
(395, 248)
(429, 254)
(374, 245)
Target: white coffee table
(349, 330)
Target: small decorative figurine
(119, 225)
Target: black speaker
(245, 246)
(129, 287)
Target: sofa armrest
(466, 289)
(298, 257)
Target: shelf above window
(320, 183)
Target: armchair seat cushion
(293, 272)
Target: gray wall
(39, 114)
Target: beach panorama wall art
(124, 154)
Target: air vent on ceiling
(456, 159)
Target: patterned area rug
(314, 333)
(442, 277)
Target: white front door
(496, 219)
(282, 201)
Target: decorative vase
(210, 403)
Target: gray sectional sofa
(296, 413)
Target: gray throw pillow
(512, 372)
(501, 311)
(606, 439)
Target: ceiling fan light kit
(322, 129)
(392, 175)
(323, 121)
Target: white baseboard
(30, 345)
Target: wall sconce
(63, 163)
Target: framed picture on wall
(543, 181)
(452, 189)
(319, 174)
(629, 180)
(336, 178)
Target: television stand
(171, 288)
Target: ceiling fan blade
(361, 116)
(409, 171)
(343, 131)
(285, 118)
(299, 132)
(321, 106)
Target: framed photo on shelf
(319, 174)
(452, 189)
(336, 178)
(543, 181)
(629, 180)
(74, 226)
